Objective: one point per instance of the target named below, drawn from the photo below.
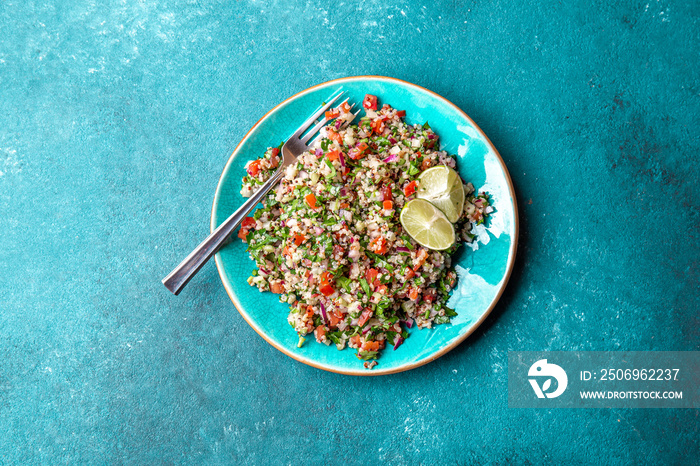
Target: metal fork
(292, 148)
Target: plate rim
(404, 367)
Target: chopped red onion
(264, 270)
(391, 158)
(402, 249)
(399, 340)
(318, 230)
(431, 136)
(408, 323)
(367, 329)
(341, 157)
(319, 153)
(323, 311)
(392, 140)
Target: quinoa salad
(329, 240)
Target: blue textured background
(116, 119)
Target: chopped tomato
(320, 333)
(310, 200)
(358, 151)
(422, 256)
(410, 274)
(332, 113)
(410, 188)
(247, 224)
(309, 312)
(370, 102)
(372, 276)
(386, 193)
(366, 314)
(377, 125)
(326, 288)
(274, 157)
(345, 107)
(335, 318)
(334, 136)
(344, 205)
(382, 289)
(277, 288)
(430, 295)
(370, 346)
(333, 155)
(413, 294)
(254, 168)
(426, 164)
(298, 239)
(388, 205)
(356, 340)
(378, 245)
(401, 113)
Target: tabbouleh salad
(330, 242)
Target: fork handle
(188, 268)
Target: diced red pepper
(333, 155)
(274, 152)
(410, 274)
(345, 107)
(332, 113)
(370, 102)
(298, 239)
(310, 200)
(410, 188)
(401, 113)
(413, 294)
(388, 205)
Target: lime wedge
(442, 186)
(427, 225)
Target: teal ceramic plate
(482, 273)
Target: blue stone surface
(117, 117)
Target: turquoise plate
(482, 273)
